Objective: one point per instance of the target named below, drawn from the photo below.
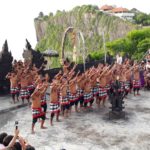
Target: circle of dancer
(70, 89)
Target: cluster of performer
(22, 80)
(69, 89)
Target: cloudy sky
(17, 17)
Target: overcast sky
(17, 17)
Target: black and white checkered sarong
(102, 92)
(37, 112)
(63, 100)
(88, 97)
(24, 93)
(73, 97)
(54, 107)
(14, 90)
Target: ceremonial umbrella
(50, 53)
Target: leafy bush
(136, 43)
(97, 55)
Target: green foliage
(143, 45)
(97, 55)
(142, 18)
(136, 43)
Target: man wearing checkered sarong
(102, 93)
(54, 105)
(80, 97)
(30, 88)
(136, 86)
(136, 80)
(24, 93)
(73, 99)
(88, 98)
(95, 91)
(44, 104)
(88, 95)
(73, 94)
(127, 87)
(80, 90)
(64, 100)
(37, 111)
(14, 90)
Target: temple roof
(106, 7)
(119, 10)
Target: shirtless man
(30, 82)
(54, 102)
(136, 80)
(94, 84)
(122, 80)
(13, 85)
(24, 93)
(80, 83)
(128, 84)
(65, 67)
(36, 107)
(88, 95)
(63, 98)
(43, 82)
(102, 88)
(73, 94)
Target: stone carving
(30, 55)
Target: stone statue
(116, 100)
(33, 56)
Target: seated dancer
(136, 80)
(54, 102)
(14, 90)
(36, 106)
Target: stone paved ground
(88, 131)
(6, 104)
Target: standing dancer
(24, 93)
(63, 99)
(136, 80)
(13, 85)
(54, 103)
(36, 107)
(88, 95)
